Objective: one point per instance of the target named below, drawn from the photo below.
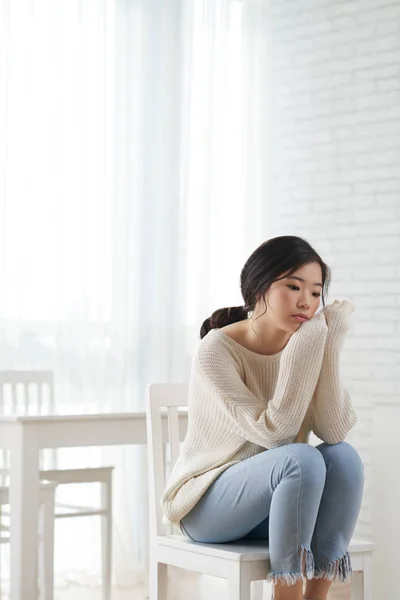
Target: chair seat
(78, 475)
(44, 485)
(67, 511)
(252, 550)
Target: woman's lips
(300, 319)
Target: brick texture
(335, 130)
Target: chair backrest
(26, 391)
(165, 424)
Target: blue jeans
(303, 500)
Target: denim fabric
(303, 500)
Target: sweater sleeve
(332, 413)
(299, 369)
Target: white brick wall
(336, 181)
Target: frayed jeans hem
(336, 570)
(293, 577)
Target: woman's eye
(296, 288)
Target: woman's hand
(316, 324)
(337, 315)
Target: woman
(264, 375)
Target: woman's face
(298, 293)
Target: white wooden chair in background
(239, 563)
(46, 533)
(32, 392)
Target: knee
(309, 461)
(343, 458)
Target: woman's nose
(304, 304)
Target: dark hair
(277, 256)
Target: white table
(24, 436)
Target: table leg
(24, 509)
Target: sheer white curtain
(133, 185)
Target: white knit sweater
(241, 403)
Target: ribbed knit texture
(331, 407)
(241, 403)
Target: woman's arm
(219, 377)
(333, 415)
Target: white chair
(239, 563)
(46, 533)
(33, 391)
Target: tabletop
(62, 430)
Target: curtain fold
(134, 183)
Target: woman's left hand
(337, 315)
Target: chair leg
(47, 546)
(368, 576)
(362, 583)
(1, 550)
(357, 586)
(106, 538)
(158, 581)
(258, 590)
(239, 582)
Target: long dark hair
(277, 256)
